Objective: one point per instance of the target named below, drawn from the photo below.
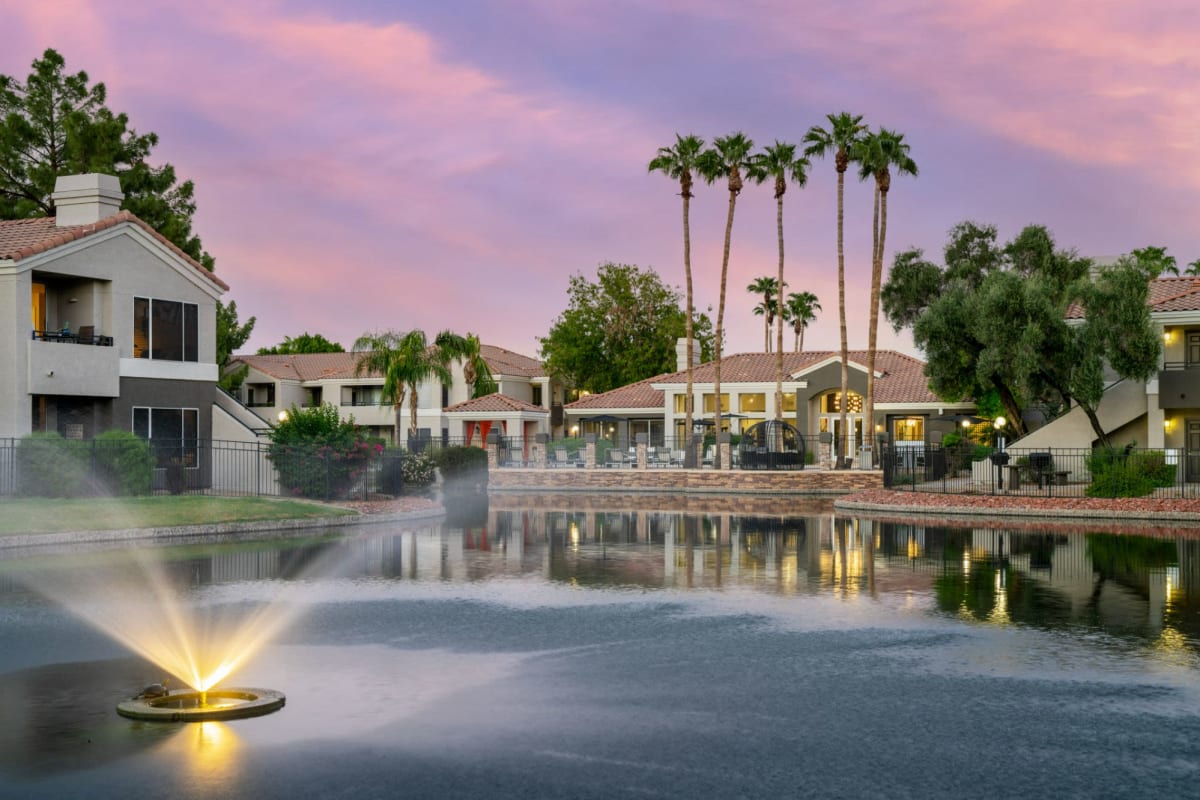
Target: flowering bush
(417, 469)
(318, 455)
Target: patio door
(1193, 451)
(833, 422)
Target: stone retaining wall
(685, 481)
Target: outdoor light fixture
(283, 416)
(998, 423)
(966, 423)
(1166, 336)
(1167, 424)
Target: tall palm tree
(678, 163)
(728, 158)
(768, 308)
(404, 360)
(876, 154)
(844, 130)
(780, 164)
(1193, 268)
(477, 373)
(801, 309)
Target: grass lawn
(45, 515)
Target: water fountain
(133, 597)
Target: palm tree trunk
(412, 411)
(872, 328)
(779, 317)
(721, 329)
(687, 270)
(842, 313)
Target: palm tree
(768, 308)
(801, 309)
(876, 154)
(1193, 268)
(728, 158)
(844, 130)
(404, 360)
(466, 349)
(779, 163)
(678, 163)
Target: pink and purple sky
(370, 164)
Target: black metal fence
(66, 468)
(1048, 472)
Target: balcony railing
(67, 337)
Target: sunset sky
(368, 164)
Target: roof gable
(24, 238)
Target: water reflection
(1132, 587)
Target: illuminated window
(709, 404)
(831, 403)
(681, 404)
(908, 429)
(789, 401)
(38, 307)
(752, 403)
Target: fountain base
(191, 706)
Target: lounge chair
(617, 458)
(662, 457)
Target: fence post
(589, 451)
(643, 443)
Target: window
(709, 405)
(165, 330)
(830, 403)
(755, 402)
(173, 433)
(789, 401)
(537, 395)
(680, 403)
(909, 429)
(362, 395)
(259, 395)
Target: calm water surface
(564, 649)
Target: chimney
(681, 354)
(86, 199)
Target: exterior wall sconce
(283, 415)
(1167, 336)
(1167, 424)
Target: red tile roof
(495, 403)
(1175, 294)
(902, 381)
(22, 238)
(340, 366)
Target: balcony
(1179, 385)
(66, 364)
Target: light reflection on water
(1105, 608)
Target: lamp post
(999, 458)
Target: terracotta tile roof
(902, 381)
(1175, 294)
(22, 238)
(340, 366)
(506, 362)
(307, 366)
(495, 403)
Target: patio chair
(617, 458)
(516, 458)
(678, 457)
(86, 335)
(662, 457)
(561, 459)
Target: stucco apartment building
(526, 402)
(106, 324)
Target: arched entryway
(829, 421)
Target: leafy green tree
(230, 336)
(996, 319)
(405, 360)
(876, 154)
(779, 164)
(53, 123)
(318, 454)
(800, 311)
(467, 350)
(678, 163)
(844, 131)
(304, 343)
(767, 308)
(619, 329)
(728, 158)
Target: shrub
(456, 462)
(50, 466)
(1123, 473)
(123, 463)
(319, 455)
(417, 469)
